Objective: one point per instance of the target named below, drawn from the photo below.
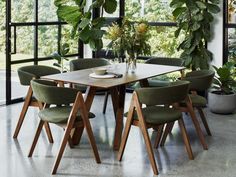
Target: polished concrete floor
(172, 160)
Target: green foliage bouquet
(130, 37)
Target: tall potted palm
(222, 99)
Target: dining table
(115, 85)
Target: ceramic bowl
(100, 71)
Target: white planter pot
(222, 104)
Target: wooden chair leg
(61, 150)
(168, 129)
(159, 134)
(36, 137)
(185, 138)
(48, 132)
(197, 126)
(149, 148)
(23, 112)
(105, 102)
(204, 121)
(126, 133)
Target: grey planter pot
(221, 104)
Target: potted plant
(194, 19)
(132, 38)
(222, 99)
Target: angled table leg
(118, 101)
(89, 96)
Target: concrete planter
(221, 104)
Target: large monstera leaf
(194, 18)
(84, 26)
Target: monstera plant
(84, 27)
(194, 18)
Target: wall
(216, 45)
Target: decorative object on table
(60, 57)
(222, 99)
(84, 26)
(194, 19)
(131, 38)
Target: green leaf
(110, 6)
(213, 8)
(98, 22)
(178, 11)
(84, 22)
(97, 33)
(85, 34)
(60, 2)
(201, 4)
(71, 14)
(177, 3)
(65, 48)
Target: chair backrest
(165, 61)
(200, 80)
(48, 92)
(27, 73)
(87, 63)
(175, 92)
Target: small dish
(100, 71)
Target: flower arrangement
(131, 37)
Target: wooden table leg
(118, 101)
(89, 96)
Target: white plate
(105, 76)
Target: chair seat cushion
(198, 101)
(59, 114)
(159, 114)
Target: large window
(34, 34)
(229, 43)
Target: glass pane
(24, 43)
(232, 44)
(66, 38)
(163, 42)
(47, 40)
(22, 10)
(17, 89)
(150, 10)
(47, 11)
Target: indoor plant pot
(221, 103)
(222, 100)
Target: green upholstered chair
(199, 81)
(87, 63)
(154, 115)
(162, 61)
(62, 114)
(26, 74)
